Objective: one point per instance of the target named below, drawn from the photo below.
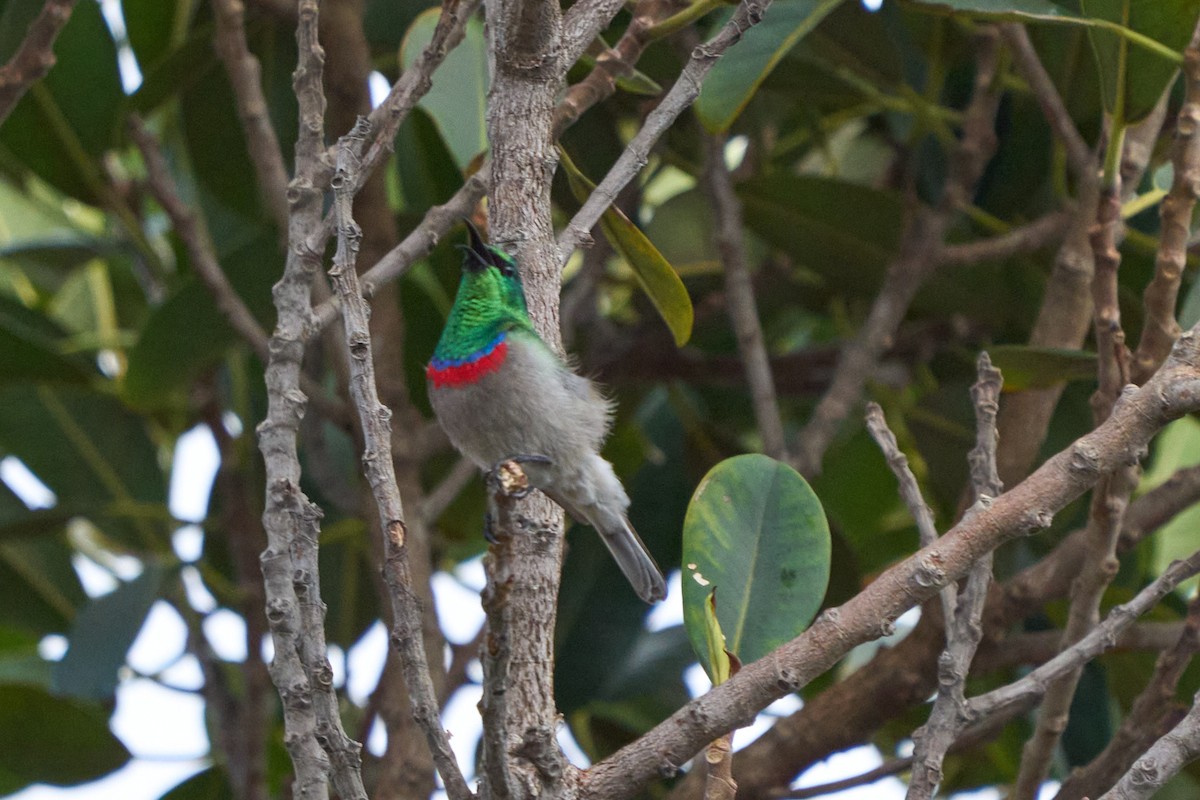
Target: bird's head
(490, 275)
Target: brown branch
(898, 677)
(1160, 327)
(1027, 507)
(1109, 499)
(613, 63)
(1028, 238)
(739, 294)
(1079, 155)
(374, 418)
(1009, 700)
(35, 55)
(581, 24)
(915, 262)
(245, 76)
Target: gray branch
(374, 418)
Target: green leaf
(657, 277)
(755, 532)
(209, 784)
(1147, 74)
(1068, 14)
(428, 175)
(457, 100)
(101, 637)
(820, 223)
(187, 334)
(47, 739)
(88, 449)
(735, 78)
(1041, 367)
(716, 657)
(33, 347)
(151, 26)
(65, 123)
(19, 659)
(39, 588)
(635, 82)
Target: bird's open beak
(475, 253)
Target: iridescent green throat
(487, 305)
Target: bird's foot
(506, 476)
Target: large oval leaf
(756, 533)
(658, 278)
(47, 739)
(1146, 74)
(457, 101)
(101, 637)
(734, 79)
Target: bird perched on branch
(502, 394)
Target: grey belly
(488, 421)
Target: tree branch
(1027, 507)
(289, 515)
(637, 152)
(1163, 761)
(1028, 238)
(35, 56)
(245, 75)
(1160, 328)
(1148, 719)
(380, 472)
(739, 296)
(915, 262)
(1079, 155)
(964, 627)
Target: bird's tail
(633, 558)
(598, 499)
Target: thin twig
(192, 231)
(374, 418)
(613, 63)
(964, 627)
(1028, 238)
(1109, 498)
(1148, 719)
(35, 56)
(1160, 327)
(1002, 701)
(910, 490)
(245, 76)
(681, 95)
(915, 262)
(413, 84)
(739, 294)
(419, 242)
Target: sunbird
(502, 394)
